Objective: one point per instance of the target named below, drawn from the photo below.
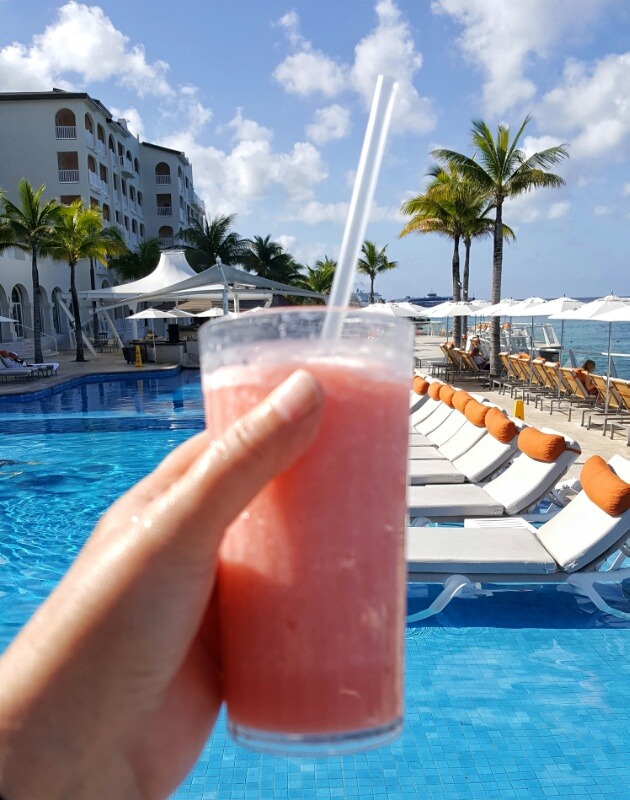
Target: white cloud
(231, 181)
(315, 212)
(593, 103)
(626, 190)
(501, 39)
(603, 211)
(303, 254)
(81, 41)
(389, 49)
(533, 207)
(134, 120)
(332, 122)
(535, 144)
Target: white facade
(70, 142)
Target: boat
(428, 301)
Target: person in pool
(112, 688)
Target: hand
(112, 688)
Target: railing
(68, 176)
(163, 180)
(164, 211)
(89, 138)
(66, 131)
(198, 201)
(166, 241)
(94, 180)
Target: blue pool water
(515, 694)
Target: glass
(311, 577)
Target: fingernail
(296, 397)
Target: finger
(163, 476)
(229, 473)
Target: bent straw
(362, 195)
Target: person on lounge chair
(585, 375)
(11, 356)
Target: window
(65, 124)
(17, 303)
(140, 199)
(118, 217)
(107, 214)
(136, 166)
(134, 226)
(126, 222)
(68, 199)
(115, 179)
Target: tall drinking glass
(311, 577)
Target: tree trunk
(497, 266)
(38, 356)
(76, 313)
(372, 277)
(465, 278)
(94, 314)
(457, 321)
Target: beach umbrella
(211, 312)
(6, 319)
(413, 309)
(389, 309)
(178, 312)
(594, 311)
(152, 313)
(557, 306)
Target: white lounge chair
(519, 487)
(582, 545)
(15, 371)
(477, 463)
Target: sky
(269, 99)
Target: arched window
(89, 125)
(142, 230)
(107, 214)
(65, 124)
(123, 184)
(17, 311)
(165, 235)
(134, 226)
(132, 193)
(100, 135)
(111, 144)
(91, 164)
(136, 166)
(140, 199)
(162, 173)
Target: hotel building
(70, 142)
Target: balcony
(90, 140)
(68, 176)
(167, 241)
(163, 180)
(164, 211)
(66, 131)
(126, 167)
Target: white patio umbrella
(594, 311)
(6, 319)
(389, 309)
(178, 312)
(550, 307)
(152, 313)
(211, 312)
(413, 309)
(452, 308)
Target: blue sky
(269, 99)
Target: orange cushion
(524, 356)
(446, 395)
(499, 426)
(541, 446)
(420, 386)
(553, 363)
(475, 412)
(434, 390)
(461, 400)
(604, 488)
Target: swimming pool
(515, 694)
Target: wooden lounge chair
(584, 544)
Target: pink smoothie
(311, 576)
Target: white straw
(361, 202)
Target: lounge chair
(574, 547)
(15, 371)
(483, 459)
(544, 458)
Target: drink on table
(311, 578)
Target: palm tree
(268, 259)
(80, 234)
(131, 266)
(503, 171)
(28, 226)
(373, 263)
(451, 206)
(318, 278)
(208, 241)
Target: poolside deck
(427, 348)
